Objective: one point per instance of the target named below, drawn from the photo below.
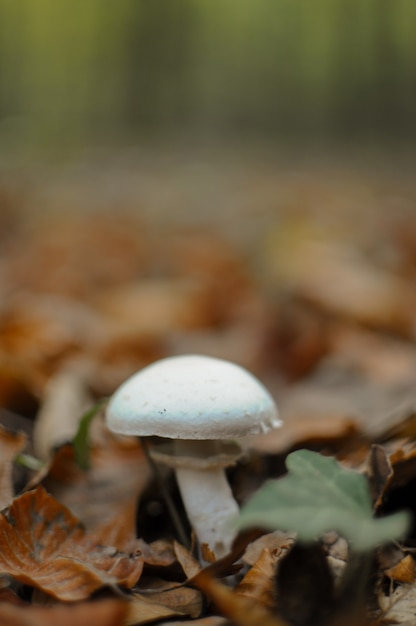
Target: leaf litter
(321, 317)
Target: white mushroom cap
(192, 397)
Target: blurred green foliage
(90, 70)
(319, 495)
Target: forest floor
(301, 269)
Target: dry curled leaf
(264, 555)
(143, 611)
(159, 553)
(189, 564)
(44, 546)
(230, 564)
(258, 583)
(404, 571)
(277, 541)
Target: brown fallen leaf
(404, 571)
(277, 541)
(11, 444)
(75, 254)
(403, 461)
(158, 554)
(104, 498)
(230, 564)
(387, 360)
(338, 277)
(119, 353)
(189, 564)
(391, 466)
(363, 388)
(155, 306)
(43, 545)
(207, 554)
(174, 596)
(298, 340)
(403, 428)
(39, 333)
(211, 261)
(144, 611)
(242, 611)
(299, 431)
(336, 392)
(259, 582)
(104, 613)
(118, 529)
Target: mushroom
(202, 404)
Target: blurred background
(279, 70)
(198, 93)
(222, 176)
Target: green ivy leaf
(318, 495)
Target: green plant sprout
(29, 462)
(81, 438)
(319, 495)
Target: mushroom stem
(208, 499)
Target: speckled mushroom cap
(192, 397)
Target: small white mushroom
(199, 402)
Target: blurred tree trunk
(159, 88)
(387, 89)
(276, 68)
